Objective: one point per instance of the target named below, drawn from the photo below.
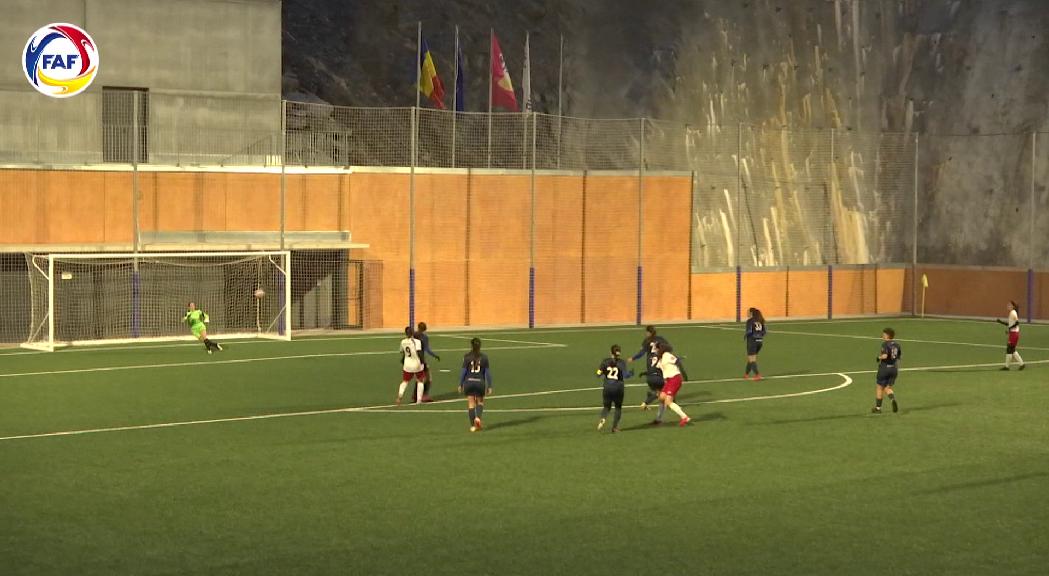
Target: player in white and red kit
(1013, 332)
(673, 377)
(412, 366)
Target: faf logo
(60, 60)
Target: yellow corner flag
(925, 281)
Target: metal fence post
(914, 233)
(411, 216)
(640, 219)
(531, 250)
(283, 171)
(1030, 236)
(739, 222)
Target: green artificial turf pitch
(956, 483)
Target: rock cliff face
(961, 73)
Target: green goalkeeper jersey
(195, 318)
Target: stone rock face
(970, 77)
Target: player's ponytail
(475, 348)
(757, 315)
(616, 350)
(1015, 306)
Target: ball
(259, 293)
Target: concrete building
(206, 76)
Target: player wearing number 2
(653, 375)
(673, 377)
(412, 366)
(613, 371)
(475, 381)
(888, 369)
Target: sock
(426, 388)
(619, 414)
(419, 392)
(747, 371)
(604, 413)
(472, 413)
(207, 344)
(677, 410)
(877, 402)
(756, 371)
(651, 396)
(662, 410)
(1008, 357)
(479, 410)
(401, 388)
(1016, 356)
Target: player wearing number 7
(197, 320)
(653, 375)
(613, 370)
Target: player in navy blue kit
(420, 334)
(475, 381)
(613, 371)
(888, 368)
(755, 337)
(653, 375)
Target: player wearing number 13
(475, 381)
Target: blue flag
(460, 93)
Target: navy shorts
(474, 388)
(753, 347)
(655, 380)
(887, 376)
(612, 395)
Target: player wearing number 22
(411, 365)
(197, 321)
(613, 371)
(475, 381)
(888, 369)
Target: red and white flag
(502, 87)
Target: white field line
(846, 381)
(488, 339)
(859, 337)
(531, 332)
(536, 346)
(386, 407)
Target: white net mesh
(81, 299)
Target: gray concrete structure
(212, 69)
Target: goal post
(100, 298)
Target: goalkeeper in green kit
(196, 320)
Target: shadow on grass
(864, 413)
(670, 421)
(983, 483)
(511, 423)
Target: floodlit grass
(956, 483)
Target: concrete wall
(212, 67)
(472, 241)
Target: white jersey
(668, 366)
(1014, 321)
(412, 348)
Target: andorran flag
(429, 82)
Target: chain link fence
(538, 218)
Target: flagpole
(418, 61)
(560, 81)
(455, 92)
(526, 105)
(491, 55)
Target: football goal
(100, 298)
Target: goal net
(113, 298)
